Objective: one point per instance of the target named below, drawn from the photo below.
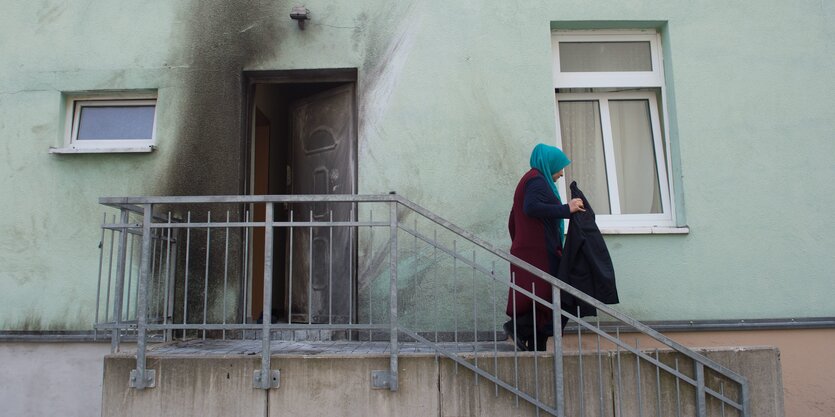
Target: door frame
(249, 80)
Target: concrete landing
(213, 347)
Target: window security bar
(378, 269)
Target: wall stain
(49, 15)
(221, 39)
(382, 72)
(360, 28)
(115, 81)
(40, 129)
(33, 321)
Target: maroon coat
(530, 243)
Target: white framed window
(611, 121)
(124, 122)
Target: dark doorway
(301, 130)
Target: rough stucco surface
(452, 97)
(40, 378)
(806, 358)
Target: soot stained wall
(219, 40)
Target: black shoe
(541, 343)
(520, 344)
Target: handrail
(274, 198)
(573, 291)
(559, 285)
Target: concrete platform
(214, 378)
(213, 347)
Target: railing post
(265, 378)
(701, 406)
(118, 298)
(140, 377)
(393, 294)
(745, 399)
(171, 274)
(556, 323)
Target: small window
(607, 59)
(110, 124)
(610, 121)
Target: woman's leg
(524, 330)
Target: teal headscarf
(549, 160)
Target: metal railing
(372, 268)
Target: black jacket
(586, 264)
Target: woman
(537, 228)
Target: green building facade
(450, 98)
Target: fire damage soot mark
(219, 40)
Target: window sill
(138, 149)
(654, 230)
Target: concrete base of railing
(334, 385)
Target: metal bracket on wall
(150, 379)
(380, 379)
(274, 382)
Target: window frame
(664, 222)
(617, 218)
(76, 103)
(602, 79)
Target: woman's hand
(576, 205)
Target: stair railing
(425, 282)
(714, 388)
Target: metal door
(323, 162)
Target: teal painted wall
(452, 96)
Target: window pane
(582, 140)
(635, 157)
(605, 56)
(116, 122)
